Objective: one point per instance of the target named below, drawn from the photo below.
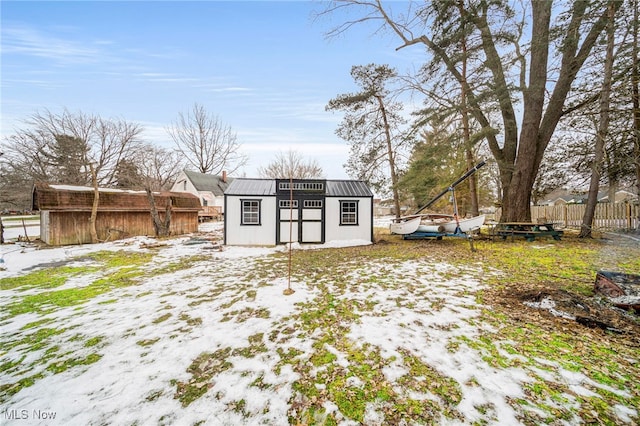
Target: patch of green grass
(189, 320)
(10, 366)
(62, 366)
(37, 323)
(43, 278)
(245, 314)
(33, 341)
(93, 341)
(122, 270)
(202, 370)
(186, 262)
(162, 318)
(443, 387)
(10, 389)
(147, 342)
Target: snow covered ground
(13, 227)
(222, 330)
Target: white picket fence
(608, 216)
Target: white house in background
(563, 196)
(263, 211)
(209, 188)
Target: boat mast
(452, 189)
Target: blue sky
(264, 68)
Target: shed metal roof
(251, 187)
(334, 188)
(348, 188)
(205, 182)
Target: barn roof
(206, 182)
(334, 188)
(71, 197)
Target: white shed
(277, 211)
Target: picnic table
(527, 230)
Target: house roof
(334, 188)
(578, 197)
(206, 182)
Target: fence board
(608, 216)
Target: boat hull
(404, 227)
(435, 224)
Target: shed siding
(72, 227)
(237, 234)
(335, 231)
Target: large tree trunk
(517, 205)
(539, 123)
(603, 129)
(635, 90)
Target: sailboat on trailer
(436, 223)
(431, 223)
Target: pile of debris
(622, 290)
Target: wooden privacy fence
(608, 216)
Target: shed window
(312, 204)
(250, 212)
(286, 204)
(301, 186)
(348, 212)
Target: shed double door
(301, 221)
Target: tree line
(547, 91)
(88, 150)
(76, 148)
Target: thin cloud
(28, 41)
(229, 89)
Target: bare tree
(205, 142)
(60, 147)
(150, 166)
(291, 164)
(50, 142)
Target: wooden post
(1, 232)
(289, 291)
(94, 207)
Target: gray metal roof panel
(348, 188)
(241, 186)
